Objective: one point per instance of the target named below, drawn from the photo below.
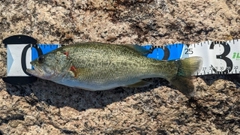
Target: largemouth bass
(100, 66)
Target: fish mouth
(40, 73)
(36, 72)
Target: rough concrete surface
(44, 107)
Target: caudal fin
(186, 68)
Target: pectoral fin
(76, 71)
(139, 84)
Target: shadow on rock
(210, 79)
(57, 95)
(219, 102)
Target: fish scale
(110, 64)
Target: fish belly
(94, 86)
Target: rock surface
(47, 108)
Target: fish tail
(186, 68)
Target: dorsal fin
(143, 51)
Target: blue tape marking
(46, 48)
(175, 51)
(158, 53)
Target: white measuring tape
(218, 57)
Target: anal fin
(139, 84)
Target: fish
(101, 66)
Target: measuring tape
(218, 57)
(21, 50)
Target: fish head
(48, 66)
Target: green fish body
(100, 66)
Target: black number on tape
(223, 57)
(166, 53)
(23, 57)
(188, 51)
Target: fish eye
(41, 59)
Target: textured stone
(47, 108)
